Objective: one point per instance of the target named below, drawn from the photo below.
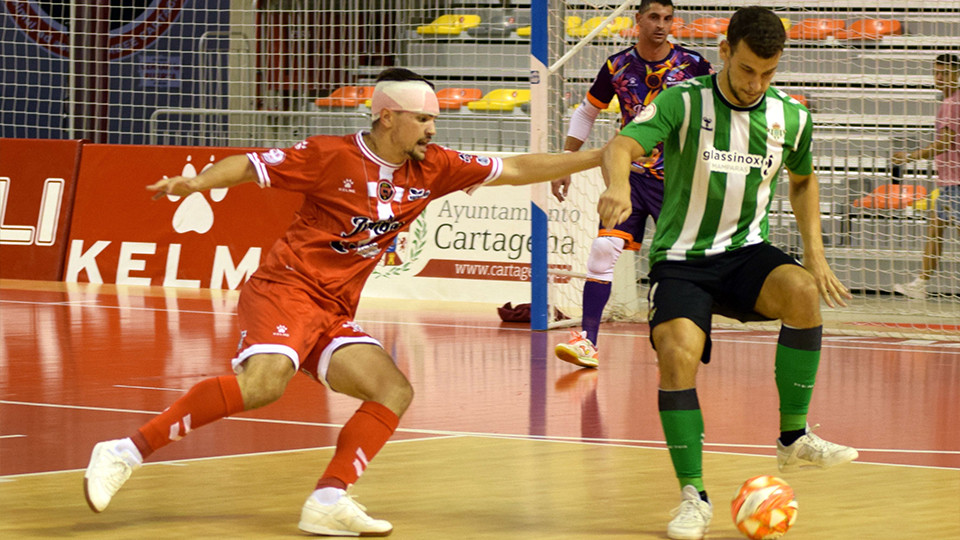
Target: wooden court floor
(502, 440)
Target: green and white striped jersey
(721, 164)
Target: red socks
(208, 400)
(360, 439)
(212, 399)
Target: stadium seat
(572, 21)
(871, 29)
(786, 23)
(816, 29)
(449, 25)
(346, 96)
(454, 98)
(704, 27)
(892, 196)
(677, 25)
(501, 99)
(501, 24)
(613, 27)
(614, 106)
(802, 99)
(924, 203)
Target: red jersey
(355, 204)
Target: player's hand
(614, 205)
(560, 187)
(177, 185)
(899, 158)
(834, 292)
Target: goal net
(270, 72)
(866, 72)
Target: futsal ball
(764, 508)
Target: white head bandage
(412, 96)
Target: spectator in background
(634, 76)
(296, 312)
(945, 152)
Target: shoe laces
(689, 512)
(814, 443)
(119, 471)
(351, 499)
(577, 337)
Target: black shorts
(727, 284)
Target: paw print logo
(347, 186)
(281, 331)
(194, 213)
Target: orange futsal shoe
(578, 351)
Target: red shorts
(276, 318)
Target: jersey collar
(369, 153)
(723, 99)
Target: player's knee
(264, 379)
(802, 308)
(604, 253)
(678, 357)
(393, 392)
(402, 397)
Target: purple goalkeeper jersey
(636, 82)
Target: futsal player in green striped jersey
(725, 139)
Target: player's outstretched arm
(227, 172)
(560, 186)
(533, 168)
(614, 205)
(805, 201)
(944, 142)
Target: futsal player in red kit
(296, 312)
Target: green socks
(798, 356)
(683, 427)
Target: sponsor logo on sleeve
(647, 113)
(274, 156)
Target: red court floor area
(81, 363)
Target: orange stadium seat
(892, 196)
(704, 27)
(346, 96)
(677, 25)
(816, 29)
(871, 29)
(501, 99)
(449, 25)
(802, 99)
(454, 98)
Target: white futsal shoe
(111, 464)
(812, 452)
(341, 516)
(691, 520)
(915, 289)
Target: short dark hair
(760, 28)
(952, 61)
(645, 4)
(401, 74)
